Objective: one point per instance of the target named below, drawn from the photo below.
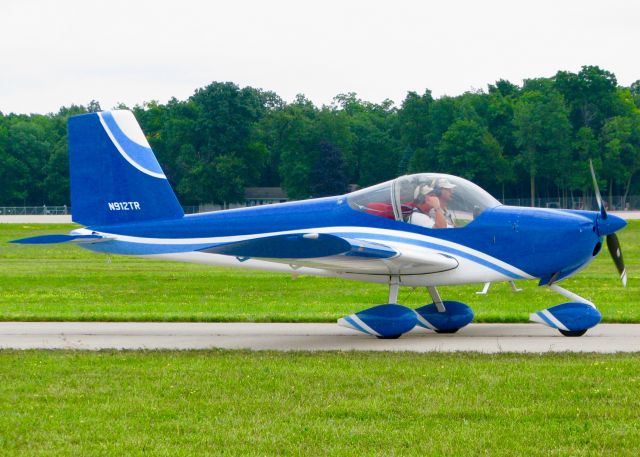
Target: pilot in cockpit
(430, 204)
(442, 194)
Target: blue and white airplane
(383, 234)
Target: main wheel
(453, 330)
(390, 337)
(573, 333)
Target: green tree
(333, 124)
(56, 172)
(29, 146)
(584, 148)
(414, 118)
(329, 173)
(296, 138)
(590, 94)
(621, 146)
(635, 92)
(467, 149)
(499, 120)
(504, 88)
(94, 106)
(542, 133)
(442, 113)
(222, 140)
(374, 144)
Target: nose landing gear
(570, 319)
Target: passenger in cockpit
(422, 204)
(422, 200)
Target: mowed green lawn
(242, 403)
(217, 402)
(63, 282)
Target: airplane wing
(336, 253)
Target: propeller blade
(603, 212)
(612, 239)
(616, 254)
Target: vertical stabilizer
(115, 177)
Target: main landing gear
(570, 319)
(391, 320)
(443, 316)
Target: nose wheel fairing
(571, 319)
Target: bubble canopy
(417, 199)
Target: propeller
(609, 228)
(603, 211)
(614, 249)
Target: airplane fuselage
(503, 244)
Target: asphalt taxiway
(486, 338)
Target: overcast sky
(55, 53)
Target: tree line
(533, 140)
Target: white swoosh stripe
(125, 155)
(360, 231)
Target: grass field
(68, 283)
(242, 403)
(218, 402)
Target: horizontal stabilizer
(55, 239)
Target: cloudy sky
(55, 53)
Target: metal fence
(617, 203)
(46, 210)
(43, 210)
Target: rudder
(115, 177)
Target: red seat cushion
(381, 209)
